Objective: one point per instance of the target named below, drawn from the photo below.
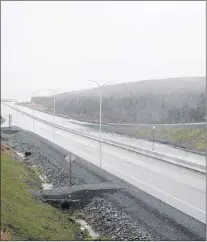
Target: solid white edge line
(167, 194)
(158, 190)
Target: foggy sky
(62, 45)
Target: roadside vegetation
(189, 138)
(24, 217)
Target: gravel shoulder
(129, 214)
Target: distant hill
(171, 100)
(183, 84)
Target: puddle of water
(85, 225)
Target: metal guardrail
(149, 153)
(167, 142)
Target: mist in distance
(62, 45)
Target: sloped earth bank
(129, 214)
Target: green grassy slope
(26, 217)
(189, 138)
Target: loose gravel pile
(105, 218)
(48, 166)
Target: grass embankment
(189, 138)
(26, 217)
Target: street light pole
(33, 95)
(100, 116)
(17, 104)
(13, 99)
(100, 126)
(54, 110)
(153, 137)
(33, 110)
(54, 107)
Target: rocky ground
(129, 214)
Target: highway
(177, 186)
(147, 145)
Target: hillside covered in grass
(187, 137)
(23, 216)
(173, 100)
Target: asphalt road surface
(160, 148)
(179, 187)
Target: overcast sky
(62, 45)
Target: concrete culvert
(65, 205)
(27, 153)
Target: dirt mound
(5, 236)
(6, 150)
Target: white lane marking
(158, 190)
(149, 169)
(154, 187)
(125, 160)
(121, 159)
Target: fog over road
(179, 187)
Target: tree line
(149, 108)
